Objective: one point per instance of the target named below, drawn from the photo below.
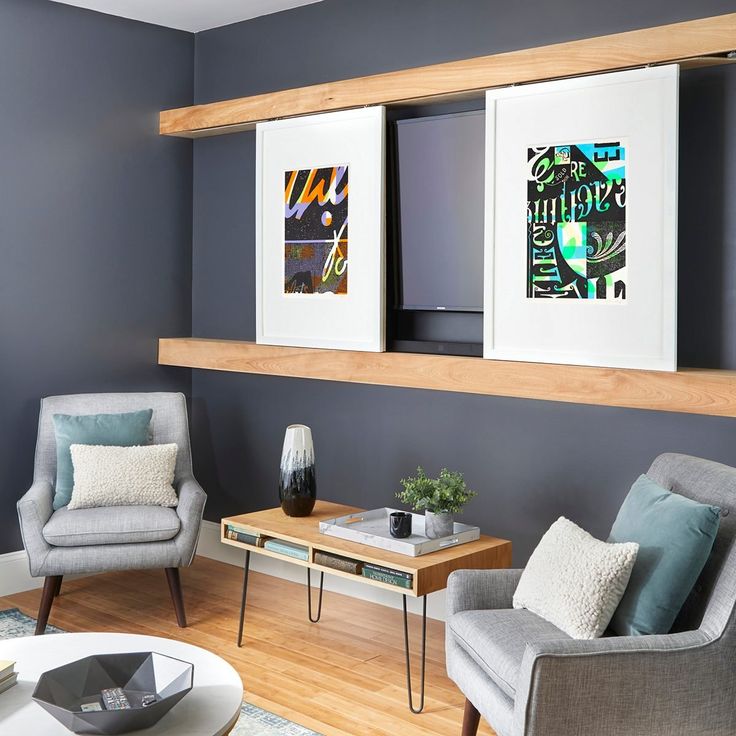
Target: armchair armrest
(34, 511)
(616, 645)
(189, 509)
(475, 590)
(653, 685)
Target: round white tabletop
(210, 709)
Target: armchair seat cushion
(496, 640)
(111, 525)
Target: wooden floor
(342, 677)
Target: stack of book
(337, 562)
(8, 675)
(287, 548)
(240, 535)
(388, 575)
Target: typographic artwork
(576, 221)
(316, 231)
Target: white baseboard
(15, 577)
(211, 547)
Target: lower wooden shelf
(690, 390)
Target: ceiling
(188, 15)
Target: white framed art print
(581, 221)
(320, 228)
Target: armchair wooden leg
(57, 592)
(50, 586)
(172, 577)
(471, 719)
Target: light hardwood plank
(360, 691)
(676, 41)
(689, 390)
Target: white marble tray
(372, 528)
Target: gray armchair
(95, 540)
(528, 678)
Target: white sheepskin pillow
(575, 581)
(123, 476)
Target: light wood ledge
(690, 390)
(678, 42)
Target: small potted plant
(440, 499)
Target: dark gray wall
(95, 216)
(531, 461)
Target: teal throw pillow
(122, 430)
(675, 536)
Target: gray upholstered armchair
(527, 678)
(94, 540)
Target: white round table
(210, 709)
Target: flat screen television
(440, 182)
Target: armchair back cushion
(125, 430)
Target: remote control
(115, 699)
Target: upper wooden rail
(694, 391)
(675, 42)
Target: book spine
(383, 577)
(8, 682)
(298, 553)
(388, 570)
(238, 536)
(338, 563)
(241, 530)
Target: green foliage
(447, 493)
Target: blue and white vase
(297, 482)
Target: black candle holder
(400, 524)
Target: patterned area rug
(253, 721)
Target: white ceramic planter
(438, 525)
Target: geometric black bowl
(63, 690)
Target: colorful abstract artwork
(316, 231)
(576, 221)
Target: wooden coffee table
(211, 708)
(430, 572)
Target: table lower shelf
(310, 564)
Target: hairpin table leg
(309, 594)
(408, 660)
(242, 600)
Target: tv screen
(440, 200)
